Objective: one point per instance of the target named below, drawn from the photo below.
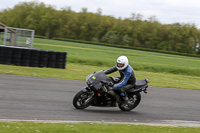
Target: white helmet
(122, 62)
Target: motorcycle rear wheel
(134, 100)
(81, 100)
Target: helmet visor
(120, 65)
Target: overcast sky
(166, 11)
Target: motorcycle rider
(126, 80)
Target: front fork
(90, 94)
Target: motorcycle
(99, 93)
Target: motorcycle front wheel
(82, 100)
(134, 100)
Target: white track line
(174, 123)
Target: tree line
(133, 31)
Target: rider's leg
(123, 95)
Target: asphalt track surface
(33, 98)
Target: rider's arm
(110, 70)
(124, 81)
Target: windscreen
(94, 79)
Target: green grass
(79, 72)
(106, 56)
(33, 127)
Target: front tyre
(82, 100)
(134, 100)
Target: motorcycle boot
(124, 98)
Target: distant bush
(38, 36)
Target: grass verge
(88, 54)
(79, 72)
(33, 127)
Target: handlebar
(107, 83)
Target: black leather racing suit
(127, 78)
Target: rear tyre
(134, 100)
(82, 100)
